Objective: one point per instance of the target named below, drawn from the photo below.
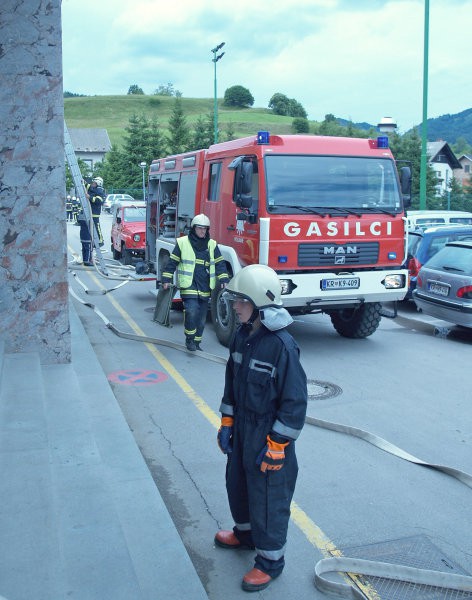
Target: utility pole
(215, 59)
(424, 126)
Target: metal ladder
(79, 184)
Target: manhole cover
(415, 551)
(321, 390)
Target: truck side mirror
(243, 185)
(405, 184)
(245, 176)
(244, 201)
(242, 175)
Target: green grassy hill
(113, 113)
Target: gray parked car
(444, 284)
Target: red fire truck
(327, 213)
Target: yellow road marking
(310, 530)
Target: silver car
(112, 199)
(444, 285)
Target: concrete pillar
(34, 312)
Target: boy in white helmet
(263, 411)
(200, 269)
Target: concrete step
(27, 514)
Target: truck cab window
(214, 182)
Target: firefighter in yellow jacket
(200, 269)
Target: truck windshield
(328, 184)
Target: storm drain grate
(415, 551)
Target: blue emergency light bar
(263, 137)
(382, 141)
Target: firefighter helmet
(257, 283)
(200, 220)
(98, 181)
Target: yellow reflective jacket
(186, 266)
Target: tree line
(145, 141)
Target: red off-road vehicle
(128, 231)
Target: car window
(437, 243)
(430, 221)
(461, 220)
(414, 240)
(133, 214)
(453, 257)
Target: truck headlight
(136, 237)
(394, 281)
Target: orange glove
(225, 435)
(272, 456)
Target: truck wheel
(126, 254)
(357, 322)
(223, 317)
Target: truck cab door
(246, 207)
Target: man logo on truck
(340, 250)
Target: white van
(425, 218)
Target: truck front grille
(327, 255)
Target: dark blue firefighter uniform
(85, 239)
(96, 198)
(265, 392)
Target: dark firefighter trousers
(86, 241)
(260, 499)
(195, 316)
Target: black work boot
(190, 344)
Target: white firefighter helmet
(257, 283)
(68, 197)
(201, 220)
(98, 181)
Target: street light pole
(424, 126)
(215, 59)
(143, 167)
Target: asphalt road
(408, 383)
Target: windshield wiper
(342, 209)
(392, 212)
(303, 208)
(448, 268)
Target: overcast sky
(358, 59)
